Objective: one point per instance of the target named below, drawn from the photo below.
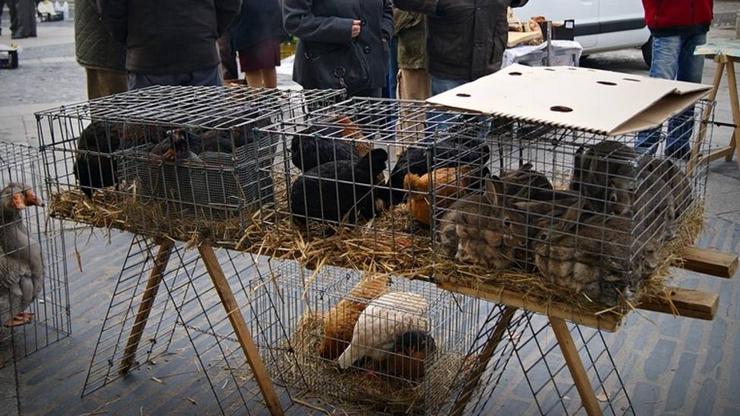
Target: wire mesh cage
(587, 217)
(34, 301)
(165, 309)
(546, 372)
(186, 153)
(363, 342)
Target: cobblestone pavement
(671, 366)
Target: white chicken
(21, 266)
(381, 322)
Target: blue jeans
(390, 90)
(202, 77)
(440, 85)
(673, 58)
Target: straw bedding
(383, 245)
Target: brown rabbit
(678, 187)
(605, 174)
(602, 256)
(493, 229)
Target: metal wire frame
(463, 370)
(547, 375)
(192, 151)
(51, 321)
(185, 307)
(543, 188)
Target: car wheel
(647, 51)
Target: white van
(601, 25)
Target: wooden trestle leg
(575, 366)
(147, 300)
(240, 328)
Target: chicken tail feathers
(346, 359)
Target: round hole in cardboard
(515, 74)
(463, 95)
(561, 109)
(609, 83)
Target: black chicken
(94, 165)
(339, 190)
(319, 144)
(450, 152)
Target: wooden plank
(483, 358)
(688, 303)
(607, 322)
(707, 261)
(716, 154)
(147, 300)
(575, 366)
(240, 329)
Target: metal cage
(365, 342)
(590, 214)
(32, 259)
(186, 153)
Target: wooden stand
(232, 312)
(682, 302)
(725, 63)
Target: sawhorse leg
(240, 328)
(575, 366)
(735, 105)
(485, 356)
(694, 160)
(147, 300)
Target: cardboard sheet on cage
(605, 102)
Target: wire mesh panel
(583, 217)
(163, 296)
(188, 153)
(364, 342)
(34, 301)
(547, 375)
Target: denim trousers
(207, 77)
(673, 58)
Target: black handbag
(339, 67)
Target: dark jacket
(327, 56)
(168, 36)
(94, 46)
(258, 20)
(675, 17)
(466, 39)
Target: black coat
(258, 20)
(466, 38)
(327, 56)
(168, 36)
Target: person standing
(677, 27)
(466, 38)
(341, 43)
(256, 35)
(413, 78)
(22, 18)
(103, 57)
(169, 42)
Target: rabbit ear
(493, 188)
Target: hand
(356, 27)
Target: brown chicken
(339, 321)
(449, 185)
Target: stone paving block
(659, 359)
(705, 399)
(715, 345)
(645, 398)
(681, 381)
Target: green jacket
(412, 39)
(94, 46)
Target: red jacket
(665, 14)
